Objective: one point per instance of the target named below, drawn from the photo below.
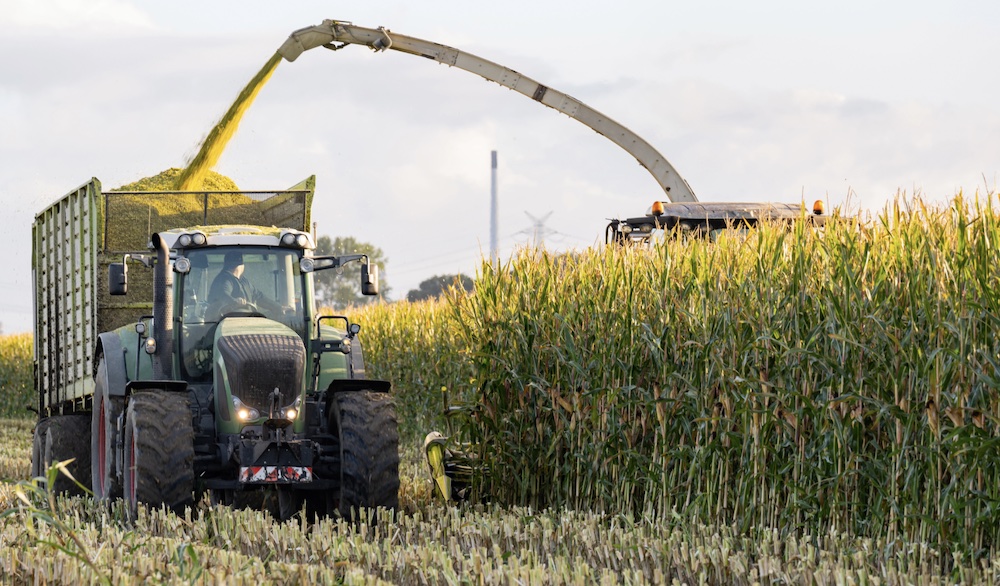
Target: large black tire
(38, 448)
(105, 480)
(65, 438)
(159, 451)
(366, 424)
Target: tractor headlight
(296, 240)
(290, 412)
(192, 239)
(245, 412)
(182, 265)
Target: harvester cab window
(233, 283)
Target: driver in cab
(231, 291)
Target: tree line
(340, 288)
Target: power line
(453, 256)
(446, 260)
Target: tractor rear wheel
(366, 424)
(159, 451)
(59, 438)
(107, 408)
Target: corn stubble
(842, 380)
(80, 541)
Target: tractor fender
(109, 344)
(357, 359)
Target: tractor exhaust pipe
(163, 311)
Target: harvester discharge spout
(305, 39)
(336, 34)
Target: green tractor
(232, 385)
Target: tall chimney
(494, 248)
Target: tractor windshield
(232, 282)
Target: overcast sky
(847, 101)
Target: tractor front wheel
(369, 451)
(364, 423)
(159, 451)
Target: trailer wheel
(38, 448)
(63, 437)
(159, 451)
(103, 429)
(366, 424)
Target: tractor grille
(258, 363)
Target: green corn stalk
(835, 380)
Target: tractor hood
(255, 358)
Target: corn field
(840, 380)
(16, 379)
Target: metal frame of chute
(336, 35)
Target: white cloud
(401, 145)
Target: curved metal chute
(332, 32)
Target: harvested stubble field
(75, 541)
(784, 406)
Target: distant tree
(435, 286)
(340, 289)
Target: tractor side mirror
(369, 279)
(117, 278)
